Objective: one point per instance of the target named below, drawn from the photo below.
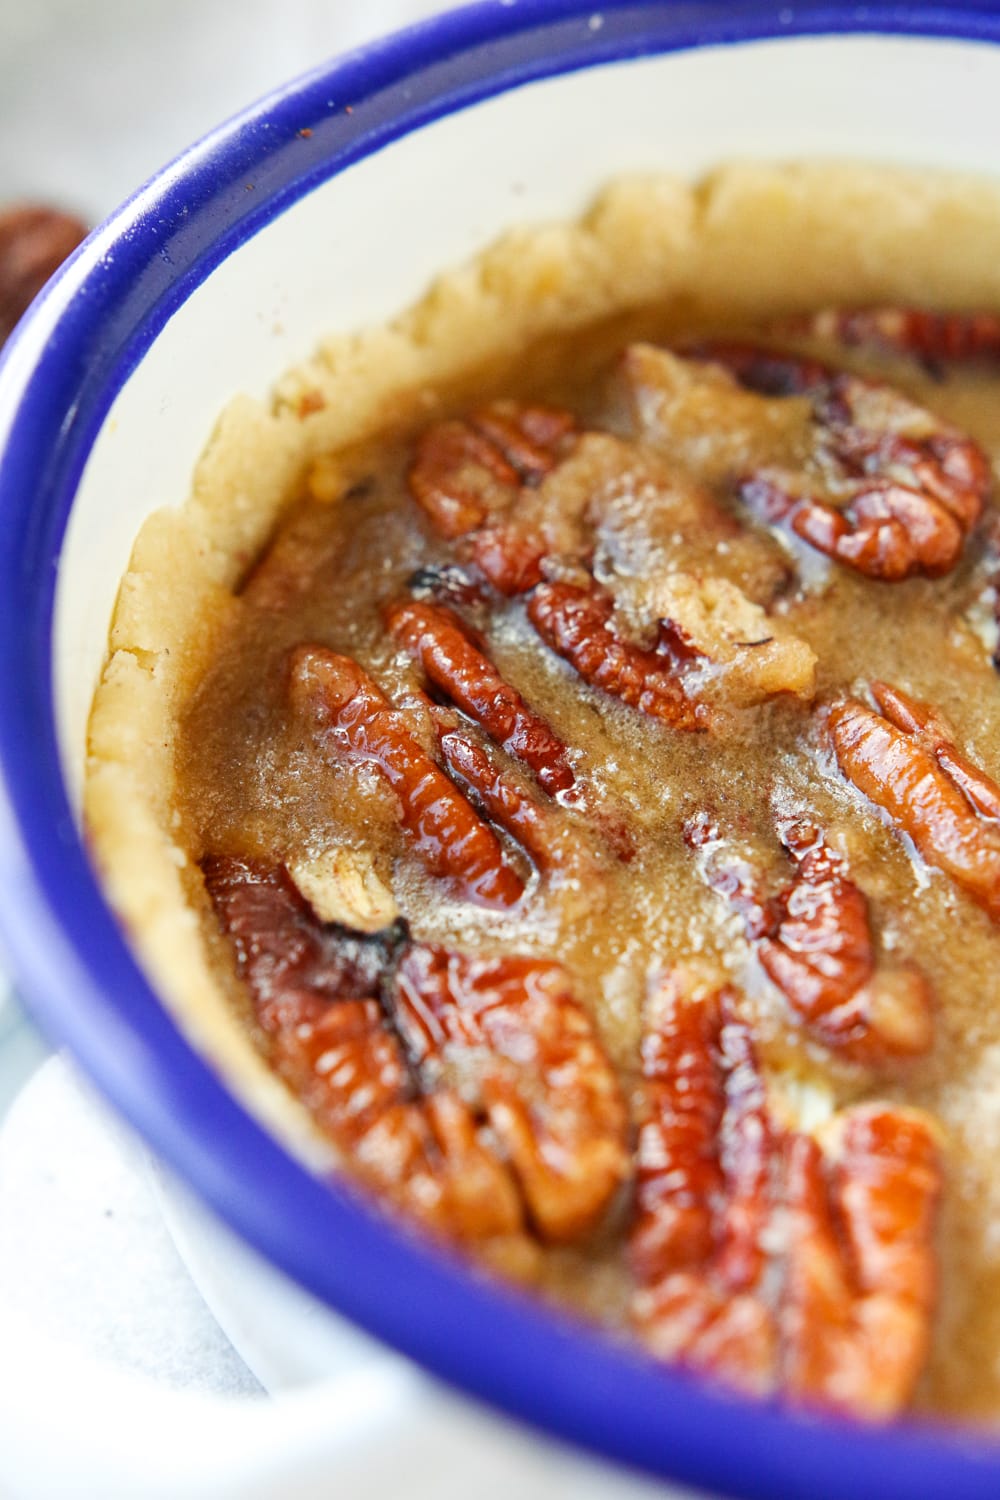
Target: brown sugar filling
(586, 686)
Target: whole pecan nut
(34, 242)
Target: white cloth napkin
(83, 1244)
(117, 1383)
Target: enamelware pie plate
(329, 206)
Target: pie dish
(197, 1104)
(450, 908)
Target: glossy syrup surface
(253, 782)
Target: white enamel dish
(213, 279)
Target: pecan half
(455, 660)
(313, 987)
(814, 941)
(760, 1258)
(509, 1035)
(553, 845)
(933, 338)
(905, 761)
(913, 485)
(352, 716)
(708, 1124)
(702, 1196)
(577, 624)
(349, 1071)
(861, 1272)
(34, 242)
(458, 667)
(464, 472)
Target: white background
(95, 95)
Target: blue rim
(99, 316)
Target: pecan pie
(585, 803)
